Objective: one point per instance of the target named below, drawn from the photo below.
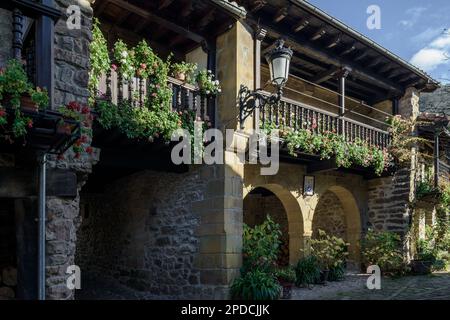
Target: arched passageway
(284, 209)
(338, 214)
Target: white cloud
(428, 58)
(436, 53)
(427, 35)
(413, 15)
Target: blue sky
(413, 29)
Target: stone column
(71, 84)
(221, 211)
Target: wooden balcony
(184, 96)
(295, 115)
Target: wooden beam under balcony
(325, 75)
(157, 19)
(300, 26)
(32, 9)
(280, 15)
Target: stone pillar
(221, 211)
(71, 84)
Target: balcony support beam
(260, 34)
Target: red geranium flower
(89, 150)
(30, 123)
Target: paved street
(428, 287)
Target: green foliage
(307, 271)
(124, 60)
(14, 82)
(14, 85)
(138, 123)
(188, 69)
(330, 251)
(384, 249)
(330, 144)
(99, 57)
(286, 274)
(260, 250)
(145, 60)
(39, 96)
(337, 272)
(256, 285)
(207, 84)
(261, 245)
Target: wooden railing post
(342, 74)
(17, 33)
(436, 158)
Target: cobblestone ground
(435, 286)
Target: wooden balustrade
(295, 115)
(184, 96)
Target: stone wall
(329, 216)
(6, 36)
(389, 202)
(143, 232)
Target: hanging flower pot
(27, 104)
(180, 76)
(64, 128)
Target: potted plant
(426, 255)
(39, 98)
(286, 278)
(330, 252)
(207, 84)
(183, 71)
(15, 86)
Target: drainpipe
(42, 217)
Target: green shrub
(385, 250)
(285, 274)
(261, 245)
(260, 249)
(307, 271)
(329, 250)
(256, 285)
(337, 272)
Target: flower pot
(180, 76)
(286, 292)
(421, 267)
(323, 276)
(64, 129)
(26, 104)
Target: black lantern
(278, 59)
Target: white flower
(219, 90)
(216, 82)
(207, 91)
(124, 54)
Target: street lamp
(278, 60)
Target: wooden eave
(329, 44)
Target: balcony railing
(297, 116)
(184, 96)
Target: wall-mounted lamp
(278, 59)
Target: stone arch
(353, 226)
(294, 218)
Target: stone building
(131, 219)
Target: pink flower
(30, 123)
(114, 67)
(154, 94)
(143, 66)
(89, 150)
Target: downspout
(42, 218)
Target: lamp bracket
(249, 100)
